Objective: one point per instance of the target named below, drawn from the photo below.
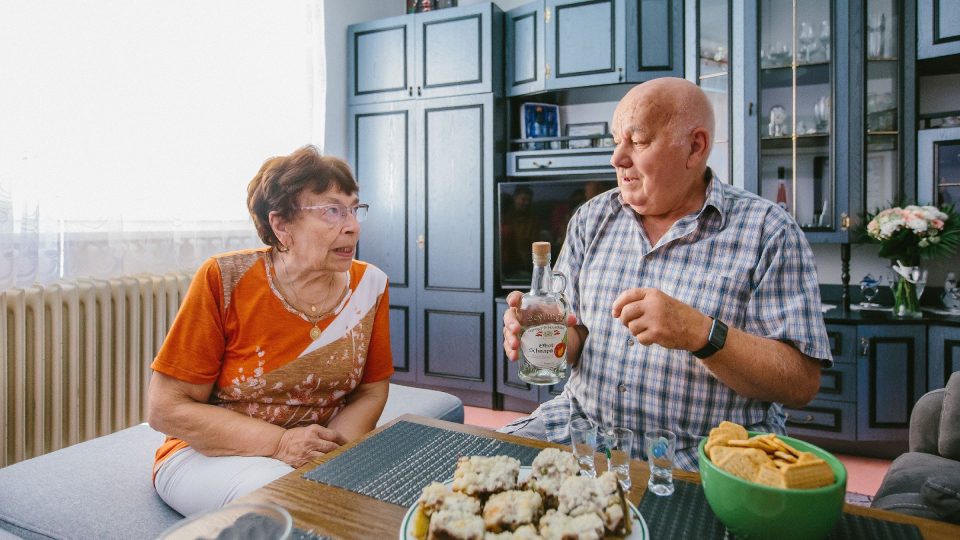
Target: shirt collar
(715, 196)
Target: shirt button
(622, 388)
(630, 341)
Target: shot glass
(619, 443)
(660, 445)
(583, 439)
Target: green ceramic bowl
(753, 510)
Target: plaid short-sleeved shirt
(740, 258)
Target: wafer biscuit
(765, 459)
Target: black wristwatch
(716, 340)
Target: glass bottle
(542, 316)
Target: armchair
(925, 481)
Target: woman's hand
(302, 444)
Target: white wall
(170, 106)
(338, 15)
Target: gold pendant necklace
(313, 317)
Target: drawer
(838, 383)
(843, 343)
(824, 419)
(553, 162)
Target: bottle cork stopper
(541, 253)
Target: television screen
(533, 212)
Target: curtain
(130, 128)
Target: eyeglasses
(334, 214)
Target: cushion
(905, 503)
(909, 471)
(949, 444)
(925, 422)
(101, 488)
(942, 493)
(423, 402)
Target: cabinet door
(455, 277)
(938, 23)
(585, 42)
(458, 51)
(824, 419)
(380, 60)
(654, 39)
(381, 138)
(891, 377)
(508, 381)
(524, 47)
(944, 346)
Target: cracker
(808, 475)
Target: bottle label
(544, 345)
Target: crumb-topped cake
(508, 510)
(481, 476)
(580, 495)
(548, 471)
(557, 526)
(485, 501)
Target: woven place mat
(395, 464)
(686, 514)
(300, 534)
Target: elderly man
(694, 301)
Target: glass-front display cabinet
(881, 55)
(834, 87)
(710, 64)
(796, 118)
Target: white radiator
(75, 357)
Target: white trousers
(192, 483)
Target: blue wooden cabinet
(830, 101)
(427, 168)
(943, 346)
(435, 54)
(557, 44)
(879, 373)
(939, 28)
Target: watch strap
(715, 341)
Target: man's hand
(655, 317)
(302, 444)
(511, 327)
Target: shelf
(807, 75)
(809, 140)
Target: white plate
(638, 530)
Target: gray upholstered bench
(102, 488)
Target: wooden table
(340, 513)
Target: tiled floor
(863, 474)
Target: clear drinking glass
(876, 30)
(824, 39)
(806, 38)
(660, 446)
(583, 441)
(619, 443)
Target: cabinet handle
(546, 71)
(420, 241)
(418, 91)
(805, 420)
(620, 74)
(539, 165)
(750, 109)
(864, 346)
(410, 91)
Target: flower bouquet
(907, 235)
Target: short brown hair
(281, 179)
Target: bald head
(674, 105)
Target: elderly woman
(278, 354)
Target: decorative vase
(910, 283)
